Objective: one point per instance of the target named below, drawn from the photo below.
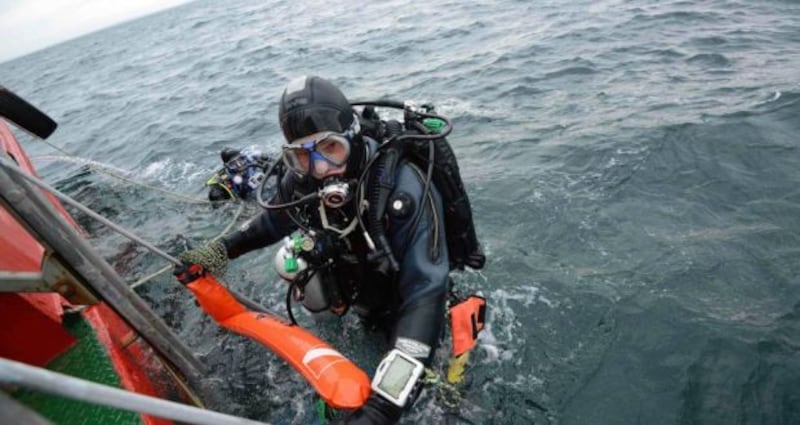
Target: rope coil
(447, 393)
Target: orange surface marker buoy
(337, 380)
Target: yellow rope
(162, 190)
(150, 277)
(447, 393)
(169, 267)
(130, 181)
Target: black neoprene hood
(312, 104)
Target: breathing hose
(382, 185)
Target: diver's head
(228, 154)
(321, 129)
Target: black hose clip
(384, 256)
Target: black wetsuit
(409, 304)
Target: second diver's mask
(238, 164)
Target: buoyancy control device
(421, 139)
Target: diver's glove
(376, 411)
(262, 161)
(213, 257)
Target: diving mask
(237, 164)
(329, 147)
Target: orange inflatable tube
(337, 380)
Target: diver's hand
(262, 161)
(376, 411)
(212, 257)
(187, 273)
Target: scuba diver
(241, 173)
(372, 216)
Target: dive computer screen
(396, 376)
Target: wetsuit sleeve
(376, 411)
(424, 267)
(421, 284)
(263, 230)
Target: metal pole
(14, 412)
(250, 304)
(39, 379)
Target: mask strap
(354, 129)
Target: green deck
(87, 360)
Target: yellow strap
(215, 180)
(456, 368)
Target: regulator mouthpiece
(335, 193)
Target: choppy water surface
(633, 166)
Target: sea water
(633, 168)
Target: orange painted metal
(335, 378)
(29, 335)
(19, 251)
(33, 333)
(133, 359)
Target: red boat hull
(29, 314)
(32, 331)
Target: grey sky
(30, 25)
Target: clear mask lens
(301, 154)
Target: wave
(715, 60)
(570, 71)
